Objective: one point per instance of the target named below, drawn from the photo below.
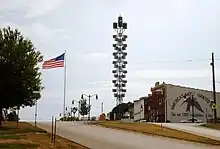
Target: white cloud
(96, 56)
(170, 74)
(43, 33)
(41, 7)
(32, 8)
(98, 83)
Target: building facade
(139, 109)
(173, 103)
(155, 108)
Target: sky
(168, 41)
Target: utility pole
(101, 107)
(89, 107)
(213, 82)
(193, 103)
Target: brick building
(174, 103)
(155, 107)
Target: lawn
(26, 136)
(151, 129)
(212, 125)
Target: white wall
(175, 99)
(137, 110)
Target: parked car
(191, 120)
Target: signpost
(74, 109)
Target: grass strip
(151, 129)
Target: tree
(12, 116)
(84, 107)
(19, 72)
(120, 109)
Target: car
(191, 120)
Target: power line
(184, 61)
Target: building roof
(143, 98)
(164, 85)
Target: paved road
(96, 137)
(194, 129)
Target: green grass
(9, 136)
(17, 146)
(151, 129)
(25, 128)
(26, 136)
(212, 125)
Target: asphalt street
(96, 137)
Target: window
(160, 101)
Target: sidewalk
(194, 129)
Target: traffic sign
(214, 106)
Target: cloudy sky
(168, 41)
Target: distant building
(173, 103)
(139, 109)
(131, 110)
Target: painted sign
(191, 99)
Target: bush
(69, 119)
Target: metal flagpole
(64, 89)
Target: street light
(35, 119)
(89, 96)
(119, 60)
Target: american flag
(54, 62)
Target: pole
(89, 107)
(35, 122)
(206, 115)
(55, 128)
(193, 109)
(52, 129)
(78, 109)
(213, 83)
(18, 109)
(64, 88)
(101, 107)
(140, 112)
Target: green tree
(19, 70)
(84, 107)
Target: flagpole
(64, 89)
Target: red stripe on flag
(53, 64)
